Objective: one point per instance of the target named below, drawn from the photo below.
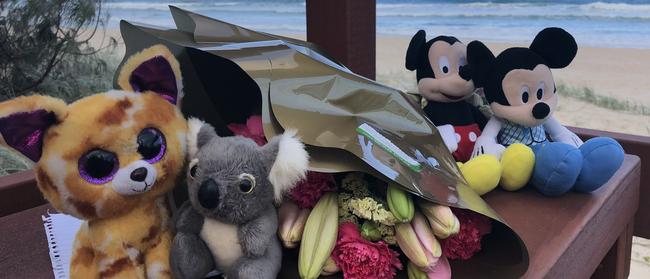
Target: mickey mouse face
(445, 60)
(518, 83)
(530, 95)
(438, 64)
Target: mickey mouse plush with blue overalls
(521, 91)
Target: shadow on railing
(19, 192)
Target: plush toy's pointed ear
(25, 120)
(414, 52)
(288, 161)
(556, 46)
(153, 69)
(480, 60)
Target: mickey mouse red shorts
(466, 137)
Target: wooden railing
(639, 146)
(19, 192)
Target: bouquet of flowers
(365, 228)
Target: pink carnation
(252, 129)
(308, 191)
(360, 258)
(467, 242)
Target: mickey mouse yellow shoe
(482, 173)
(517, 161)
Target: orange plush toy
(109, 159)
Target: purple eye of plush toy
(151, 145)
(98, 166)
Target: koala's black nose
(541, 110)
(139, 174)
(209, 194)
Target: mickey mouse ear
(414, 52)
(556, 46)
(479, 60)
(153, 69)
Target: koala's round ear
(205, 134)
(414, 52)
(287, 160)
(480, 60)
(556, 46)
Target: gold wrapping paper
(231, 72)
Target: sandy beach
(621, 74)
(618, 73)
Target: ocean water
(602, 23)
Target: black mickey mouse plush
(521, 91)
(438, 64)
(444, 82)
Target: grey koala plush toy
(230, 220)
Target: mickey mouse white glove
(487, 142)
(448, 135)
(559, 133)
(568, 137)
(487, 145)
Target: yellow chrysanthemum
(370, 209)
(357, 202)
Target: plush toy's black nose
(209, 194)
(541, 110)
(139, 174)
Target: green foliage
(588, 95)
(90, 78)
(45, 47)
(10, 162)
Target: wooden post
(346, 30)
(616, 264)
